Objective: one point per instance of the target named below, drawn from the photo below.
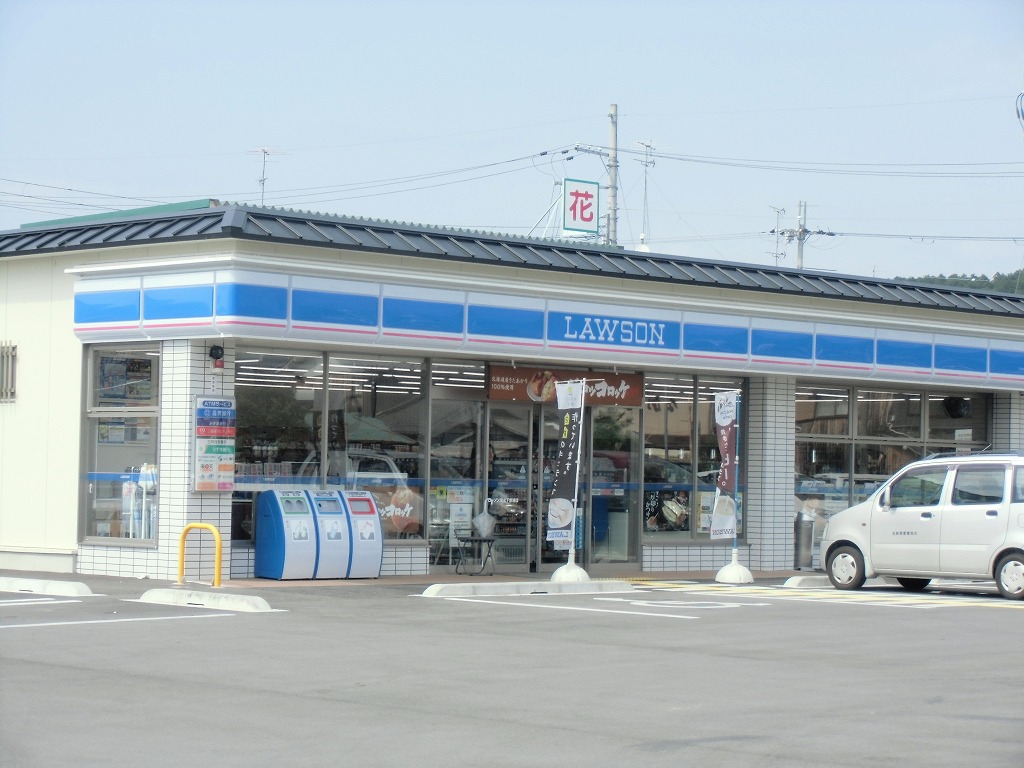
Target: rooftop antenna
(646, 226)
(263, 177)
(779, 213)
(613, 176)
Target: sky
(894, 121)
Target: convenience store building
(417, 363)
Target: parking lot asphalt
(675, 670)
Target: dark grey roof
(324, 230)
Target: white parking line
(569, 608)
(114, 621)
(34, 601)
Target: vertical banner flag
(562, 507)
(723, 516)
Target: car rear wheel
(914, 585)
(1010, 576)
(845, 568)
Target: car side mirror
(884, 500)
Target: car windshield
(662, 471)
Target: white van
(941, 517)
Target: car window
(918, 488)
(375, 466)
(656, 471)
(979, 485)
(1018, 484)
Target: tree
(1010, 282)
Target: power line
(1008, 170)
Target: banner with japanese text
(565, 483)
(724, 513)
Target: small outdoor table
(475, 548)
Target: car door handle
(926, 515)
(992, 513)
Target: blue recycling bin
(367, 534)
(334, 535)
(286, 539)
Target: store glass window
(459, 463)
(380, 406)
(890, 414)
(122, 433)
(320, 421)
(277, 397)
(836, 468)
(681, 455)
(959, 418)
(823, 411)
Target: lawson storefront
(418, 364)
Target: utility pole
(613, 176)
(611, 230)
(799, 234)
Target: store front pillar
(770, 458)
(187, 372)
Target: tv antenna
(265, 151)
(646, 225)
(779, 213)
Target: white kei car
(941, 517)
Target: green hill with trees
(1010, 282)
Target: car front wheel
(1010, 576)
(845, 568)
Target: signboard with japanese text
(580, 206)
(724, 513)
(565, 483)
(538, 385)
(213, 445)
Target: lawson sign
(582, 328)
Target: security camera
(216, 352)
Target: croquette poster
(538, 385)
(724, 514)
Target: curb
(463, 589)
(221, 601)
(807, 581)
(45, 587)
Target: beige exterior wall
(40, 431)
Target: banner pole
(570, 571)
(735, 572)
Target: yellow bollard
(181, 551)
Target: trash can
(803, 539)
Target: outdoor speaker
(957, 407)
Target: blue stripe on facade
(954, 358)
(772, 343)
(252, 300)
(413, 314)
(503, 321)
(726, 339)
(909, 354)
(336, 308)
(178, 303)
(844, 349)
(108, 306)
(1006, 361)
